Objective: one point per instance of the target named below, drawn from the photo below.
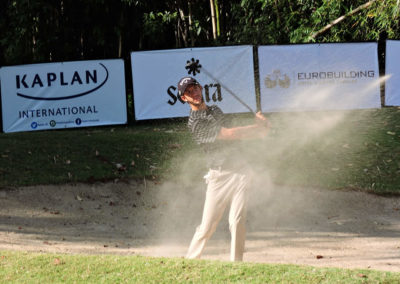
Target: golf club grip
(229, 90)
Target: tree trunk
(183, 26)
(120, 45)
(192, 39)
(81, 44)
(213, 20)
(341, 18)
(120, 28)
(217, 18)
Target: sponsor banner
(63, 95)
(392, 84)
(319, 77)
(155, 76)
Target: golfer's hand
(261, 120)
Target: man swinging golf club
(228, 178)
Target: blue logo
(34, 125)
(78, 121)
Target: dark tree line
(60, 30)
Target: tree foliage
(60, 30)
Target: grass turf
(23, 267)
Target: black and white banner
(319, 77)
(63, 95)
(392, 85)
(155, 76)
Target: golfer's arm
(242, 132)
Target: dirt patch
(316, 227)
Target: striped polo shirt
(205, 126)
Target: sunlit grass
(21, 267)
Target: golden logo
(276, 78)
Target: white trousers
(223, 188)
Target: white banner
(319, 77)
(63, 95)
(392, 66)
(155, 76)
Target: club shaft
(228, 90)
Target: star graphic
(193, 66)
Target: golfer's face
(193, 94)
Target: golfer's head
(190, 91)
(187, 85)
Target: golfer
(228, 178)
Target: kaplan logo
(93, 79)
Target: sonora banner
(155, 76)
(63, 95)
(392, 85)
(319, 77)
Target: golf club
(194, 67)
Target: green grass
(360, 150)
(91, 154)
(22, 267)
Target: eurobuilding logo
(276, 78)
